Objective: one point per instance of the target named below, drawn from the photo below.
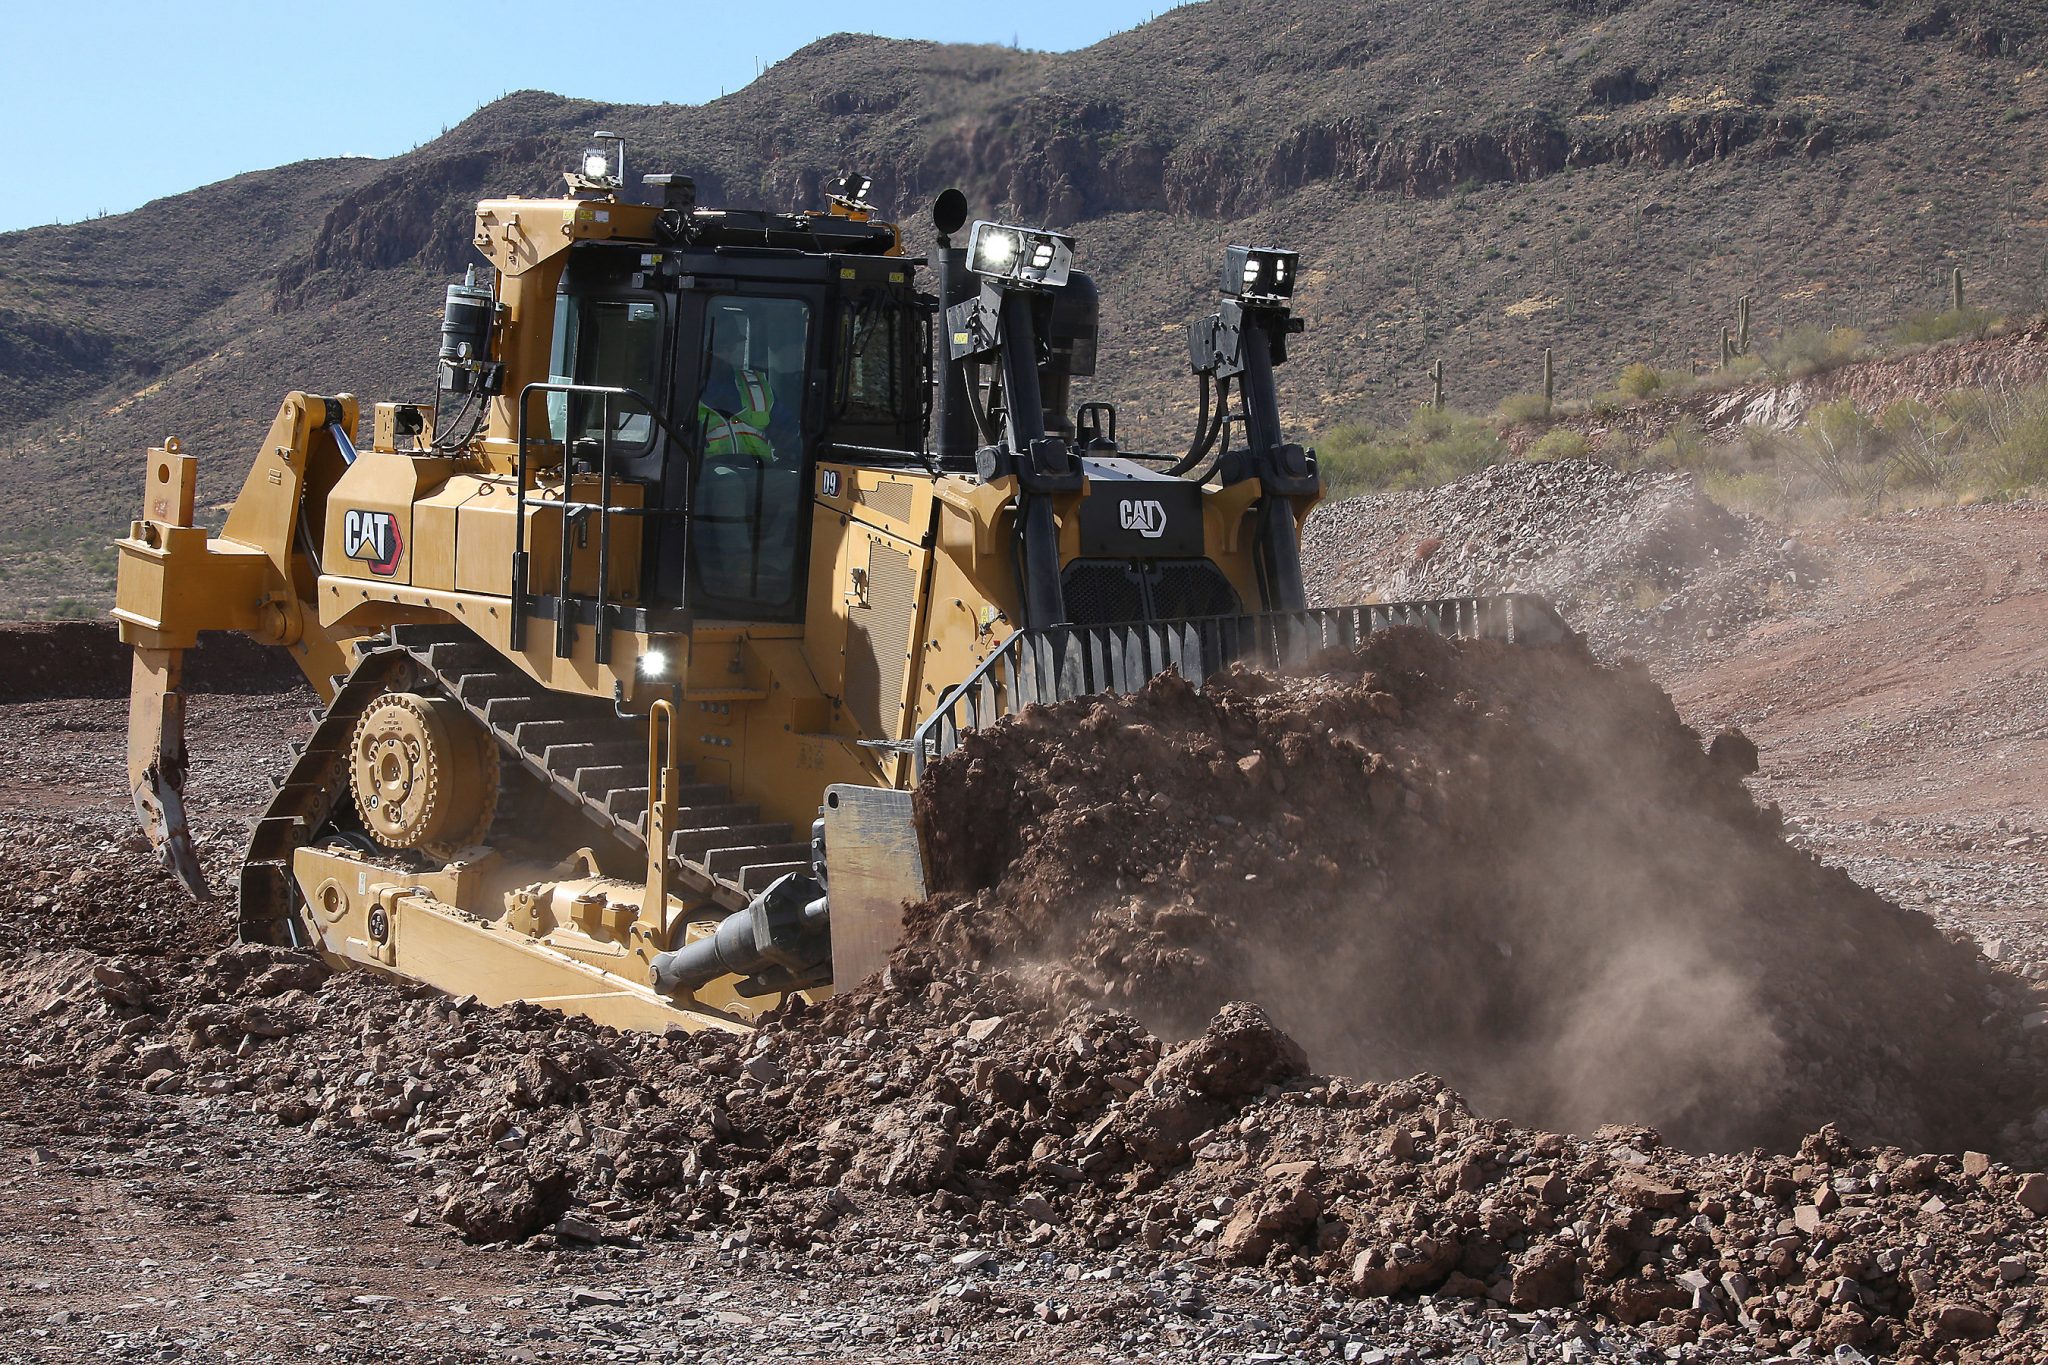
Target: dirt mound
(58, 659)
(1510, 867)
(1638, 561)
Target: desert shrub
(1920, 444)
(2004, 451)
(1639, 381)
(1811, 350)
(1559, 443)
(1838, 452)
(1684, 446)
(1432, 448)
(1606, 403)
(1924, 329)
(1522, 408)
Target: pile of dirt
(1510, 867)
(1641, 562)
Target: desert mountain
(1476, 181)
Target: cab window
(614, 343)
(872, 378)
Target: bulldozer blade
(157, 764)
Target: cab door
(750, 409)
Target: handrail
(573, 511)
(1059, 663)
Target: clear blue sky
(107, 104)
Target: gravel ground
(1642, 563)
(1895, 691)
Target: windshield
(611, 342)
(747, 514)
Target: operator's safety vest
(745, 432)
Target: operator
(738, 402)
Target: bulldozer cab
(737, 369)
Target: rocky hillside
(1598, 176)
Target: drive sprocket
(423, 773)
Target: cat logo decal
(372, 537)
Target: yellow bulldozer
(632, 644)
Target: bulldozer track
(305, 801)
(585, 753)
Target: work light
(1028, 256)
(1259, 272)
(604, 166)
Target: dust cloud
(1514, 868)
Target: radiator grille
(889, 499)
(878, 644)
(1190, 587)
(1101, 592)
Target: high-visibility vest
(745, 432)
(757, 405)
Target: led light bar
(1259, 272)
(1028, 256)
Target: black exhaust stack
(953, 433)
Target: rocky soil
(997, 1148)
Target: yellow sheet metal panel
(885, 607)
(831, 576)
(369, 529)
(434, 529)
(484, 540)
(894, 500)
